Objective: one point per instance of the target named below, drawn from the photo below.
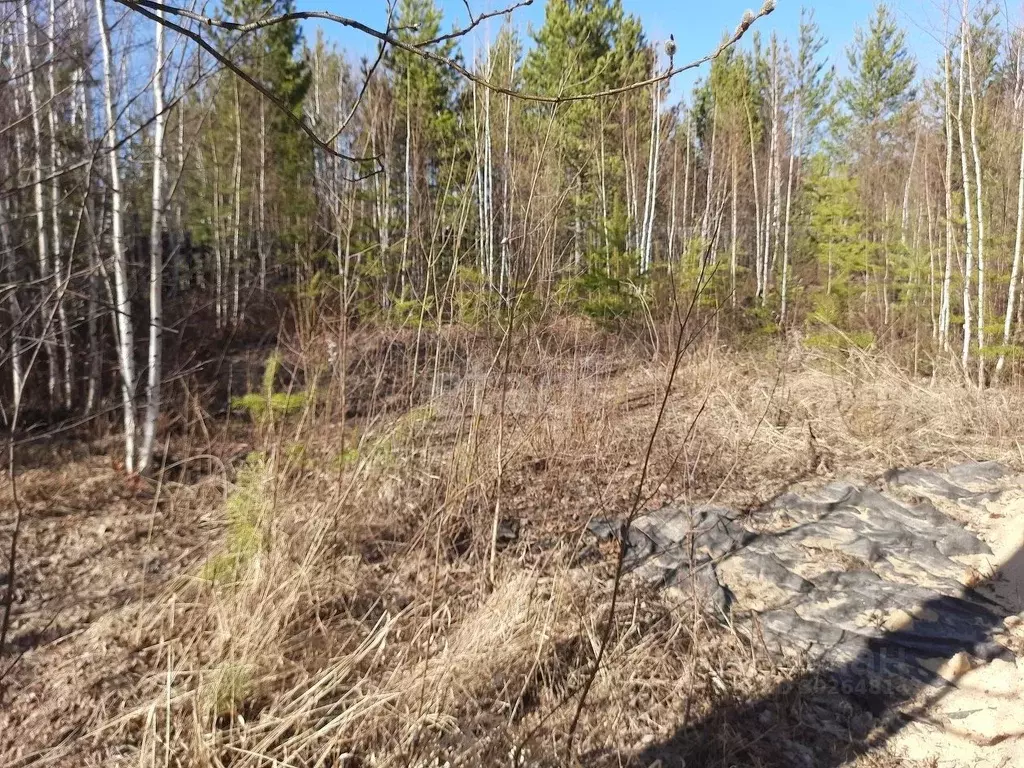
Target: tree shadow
(844, 706)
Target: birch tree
(125, 340)
(156, 258)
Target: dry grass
(368, 624)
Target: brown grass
(368, 626)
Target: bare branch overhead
(147, 8)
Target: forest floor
(415, 585)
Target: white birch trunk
(42, 246)
(706, 220)
(59, 286)
(776, 156)
(944, 303)
(733, 245)
(156, 256)
(489, 183)
(13, 308)
(757, 208)
(506, 199)
(649, 185)
(979, 212)
(408, 185)
(686, 189)
(123, 306)
(261, 234)
(672, 223)
(236, 255)
(968, 216)
(793, 154)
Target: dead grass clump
(371, 617)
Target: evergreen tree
(813, 80)
(835, 236)
(252, 164)
(880, 84)
(584, 46)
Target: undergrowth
(352, 612)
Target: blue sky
(696, 24)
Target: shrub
(247, 510)
(266, 404)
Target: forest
(315, 364)
(149, 189)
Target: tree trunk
(13, 308)
(408, 186)
(156, 257)
(261, 225)
(757, 207)
(236, 255)
(979, 211)
(793, 154)
(123, 305)
(776, 155)
(944, 304)
(650, 191)
(43, 251)
(705, 226)
(733, 246)
(968, 216)
(59, 284)
(506, 194)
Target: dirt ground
(94, 545)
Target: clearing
(421, 583)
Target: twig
(682, 344)
(245, 76)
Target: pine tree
(880, 84)
(877, 97)
(811, 97)
(254, 164)
(587, 45)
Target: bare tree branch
(245, 76)
(147, 8)
(381, 48)
(474, 21)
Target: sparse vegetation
(247, 510)
(339, 514)
(343, 608)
